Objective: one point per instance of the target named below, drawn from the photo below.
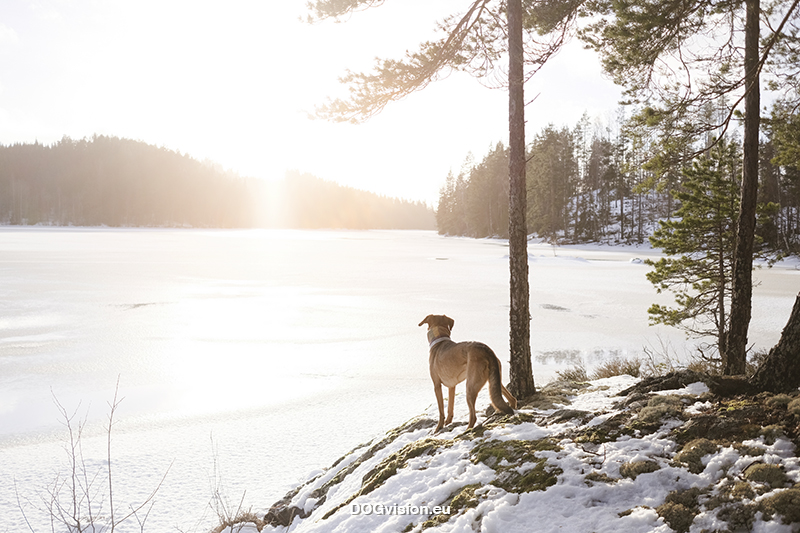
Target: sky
(234, 82)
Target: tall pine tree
(700, 243)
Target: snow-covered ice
(281, 350)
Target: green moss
(677, 516)
(740, 517)
(772, 433)
(680, 508)
(608, 431)
(634, 468)
(794, 406)
(666, 399)
(389, 466)
(691, 455)
(596, 477)
(463, 498)
(538, 478)
(514, 451)
(785, 503)
(658, 408)
(773, 475)
(506, 458)
(741, 491)
(752, 451)
(738, 404)
(778, 401)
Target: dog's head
(438, 326)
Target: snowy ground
(593, 493)
(275, 352)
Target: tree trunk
(742, 284)
(520, 370)
(780, 371)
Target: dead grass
(615, 367)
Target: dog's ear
(450, 322)
(426, 320)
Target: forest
(110, 181)
(612, 183)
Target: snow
(573, 504)
(288, 348)
(692, 389)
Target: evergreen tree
(552, 170)
(700, 243)
(641, 42)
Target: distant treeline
(310, 202)
(600, 184)
(108, 181)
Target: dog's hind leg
(472, 394)
(451, 402)
(437, 389)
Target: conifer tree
(700, 244)
(689, 53)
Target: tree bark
(735, 355)
(521, 372)
(780, 371)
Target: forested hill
(591, 183)
(310, 202)
(108, 181)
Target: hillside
(308, 202)
(603, 456)
(108, 181)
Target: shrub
(617, 367)
(576, 373)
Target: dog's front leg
(437, 389)
(451, 401)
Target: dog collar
(434, 342)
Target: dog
(453, 362)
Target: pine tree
(700, 243)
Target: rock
(673, 380)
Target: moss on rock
(510, 459)
(692, 454)
(771, 433)
(772, 475)
(794, 407)
(596, 477)
(389, 466)
(680, 508)
(785, 503)
(634, 468)
(778, 401)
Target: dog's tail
(496, 388)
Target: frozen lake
(275, 351)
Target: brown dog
(451, 363)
